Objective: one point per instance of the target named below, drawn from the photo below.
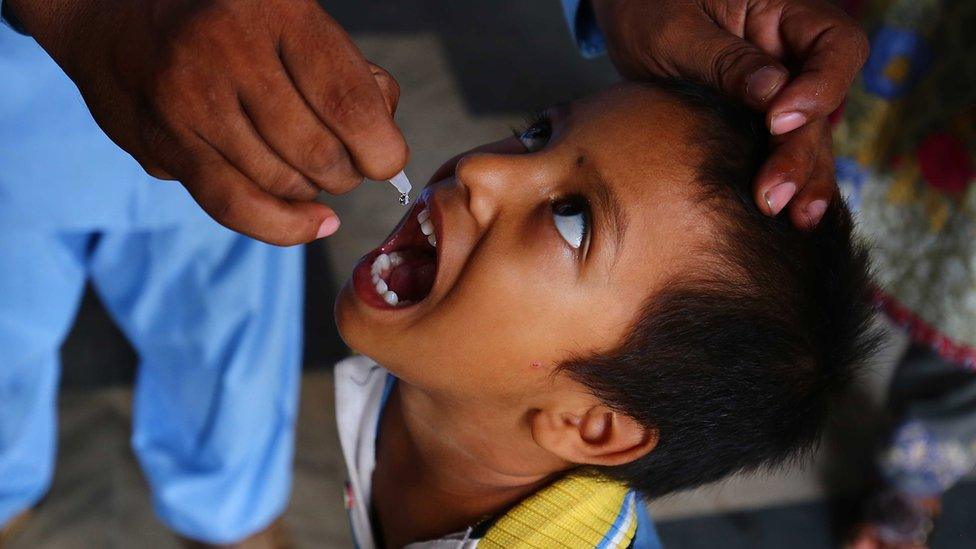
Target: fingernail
(779, 196)
(763, 83)
(815, 211)
(786, 122)
(329, 226)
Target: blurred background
(469, 71)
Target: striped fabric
(576, 511)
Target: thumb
(731, 64)
(388, 86)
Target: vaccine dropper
(402, 184)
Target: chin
(353, 328)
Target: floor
(99, 498)
(469, 71)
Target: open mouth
(401, 272)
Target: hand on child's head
(604, 286)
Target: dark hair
(737, 364)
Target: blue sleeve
(582, 25)
(7, 19)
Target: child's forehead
(640, 140)
(637, 135)
(646, 111)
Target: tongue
(414, 277)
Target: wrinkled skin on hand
(792, 59)
(255, 106)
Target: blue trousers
(215, 318)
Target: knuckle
(157, 150)
(341, 179)
(320, 156)
(344, 184)
(225, 211)
(155, 139)
(289, 184)
(348, 105)
(171, 95)
(800, 158)
(726, 61)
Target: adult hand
(254, 105)
(743, 47)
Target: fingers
(808, 207)
(831, 49)
(732, 64)
(388, 85)
(798, 176)
(294, 132)
(336, 82)
(239, 144)
(240, 205)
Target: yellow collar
(579, 510)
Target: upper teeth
(384, 262)
(427, 226)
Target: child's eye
(537, 134)
(572, 219)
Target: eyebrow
(611, 211)
(607, 202)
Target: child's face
(547, 247)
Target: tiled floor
(468, 71)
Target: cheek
(507, 318)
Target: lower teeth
(403, 277)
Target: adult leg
(41, 281)
(216, 320)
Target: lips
(401, 272)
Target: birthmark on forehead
(580, 160)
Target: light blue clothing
(58, 170)
(214, 317)
(3, 20)
(582, 24)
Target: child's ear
(597, 436)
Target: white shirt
(361, 390)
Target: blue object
(898, 59)
(214, 317)
(851, 177)
(582, 24)
(58, 170)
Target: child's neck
(425, 484)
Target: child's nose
(497, 182)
